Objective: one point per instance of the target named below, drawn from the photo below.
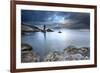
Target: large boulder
(71, 50)
(73, 57)
(74, 53)
(85, 51)
(27, 54)
(26, 47)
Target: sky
(71, 20)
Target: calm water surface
(43, 43)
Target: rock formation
(27, 54)
(70, 53)
(53, 56)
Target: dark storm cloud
(29, 15)
(72, 20)
(83, 20)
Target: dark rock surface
(49, 30)
(69, 54)
(27, 54)
(53, 56)
(28, 28)
(26, 47)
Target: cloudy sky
(73, 20)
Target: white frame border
(20, 65)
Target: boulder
(71, 50)
(29, 56)
(53, 56)
(85, 51)
(49, 30)
(26, 47)
(77, 56)
(74, 53)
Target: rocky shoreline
(69, 54)
(31, 28)
(27, 55)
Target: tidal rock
(26, 47)
(29, 28)
(71, 50)
(49, 30)
(25, 28)
(53, 56)
(73, 57)
(74, 53)
(29, 56)
(59, 32)
(85, 51)
(86, 58)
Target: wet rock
(86, 58)
(49, 30)
(53, 56)
(71, 50)
(59, 32)
(25, 28)
(74, 53)
(27, 54)
(85, 51)
(69, 54)
(73, 57)
(26, 47)
(29, 28)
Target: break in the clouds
(73, 20)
